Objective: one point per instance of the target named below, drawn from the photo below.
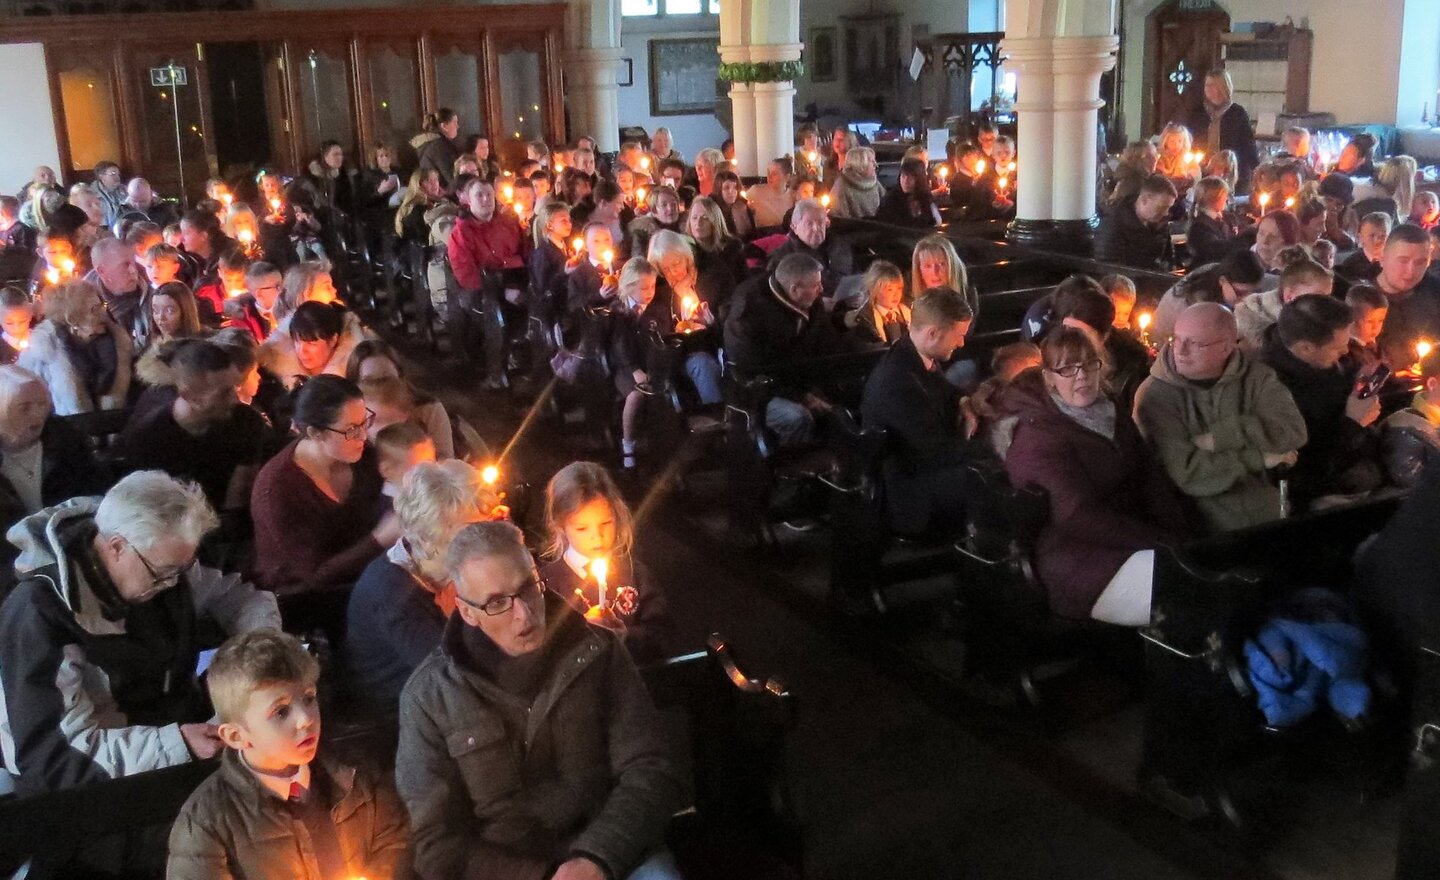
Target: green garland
(762, 71)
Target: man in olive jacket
(1218, 420)
(529, 748)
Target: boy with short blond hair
(272, 809)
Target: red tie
(297, 793)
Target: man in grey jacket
(529, 748)
(98, 639)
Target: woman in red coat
(1110, 504)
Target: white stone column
(1059, 86)
(774, 109)
(592, 59)
(592, 93)
(742, 124)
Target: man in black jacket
(907, 395)
(810, 235)
(1304, 348)
(1136, 232)
(777, 320)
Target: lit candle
(1004, 182)
(1422, 350)
(640, 193)
(52, 276)
(979, 167)
(559, 167)
(1144, 321)
(745, 194)
(1011, 168)
(275, 205)
(233, 292)
(1199, 156)
(578, 244)
(1289, 202)
(814, 157)
(507, 192)
(22, 344)
(607, 257)
(226, 199)
(688, 305)
(490, 474)
(67, 266)
(645, 163)
(825, 201)
(1264, 200)
(600, 570)
(944, 172)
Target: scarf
(1098, 417)
(1216, 112)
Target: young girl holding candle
(589, 522)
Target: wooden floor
(905, 770)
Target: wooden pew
(1209, 596)
(730, 734)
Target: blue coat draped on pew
(1298, 667)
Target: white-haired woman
(697, 302)
(43, 460)
(84, 567)
(399, 606)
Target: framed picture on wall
(684, 76)
(626, 77)
(821, 54)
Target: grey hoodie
(1247, 411)
(59, 720)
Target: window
(658, 8)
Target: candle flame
(246, 236)
(688, 305)
(226, 199)
(1011, 167)
(1290, 202)
(559, 167)
(944, 171)
(234, 292)
(1264, 199)
(745, 194)
(67, 266)
(813, 157)
(645, 163)
(1423, 349)
(600, 570)
(640, 195)
(980, 167)
(275, 205)
(608, 256)
(578, 244)
(52, 276)
(507, 192)
(825, 201)
(23, 344)
(1004, 182)
(490, 474)
(1144, 320)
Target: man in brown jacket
(529, 748)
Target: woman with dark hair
(373, 361)
(316, 503)
(1357, 158)
(318, 343)
(909, 203)
(437, 146)
(1236, 276)
(1110, 504)
(332, 179)
(1221, 124)
(1275, 232)
(202, 242)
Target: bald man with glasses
(1218, 419)
(529, 747)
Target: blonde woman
(1397, 177)
(935, 263)
(1175, 158)
(695, 300)
(79, 351)
(241, 225)
(717, 251)
(1221, 124)
(857, 192)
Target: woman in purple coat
(1110, 504)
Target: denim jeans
(703, 368)
(659, 866)
(792, 422)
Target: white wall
(29, 121)
(690, 133)
(1355, 64)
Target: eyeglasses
(156, 578)
(356, 432)
(495, 606)
(1070, 371)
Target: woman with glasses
(1110, 504)
(316, 503)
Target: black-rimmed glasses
(356, 432)
(498, 605)
(1070, 371)
(159, 580)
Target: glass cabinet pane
(324, 97)
(173, 140)
(457, 85)
(394, 93)
(87, 99)
(522, 101)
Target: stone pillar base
(1063, 236)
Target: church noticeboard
(684, 76)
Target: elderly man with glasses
(98, 643)
(529, 748)
(1218, 419)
